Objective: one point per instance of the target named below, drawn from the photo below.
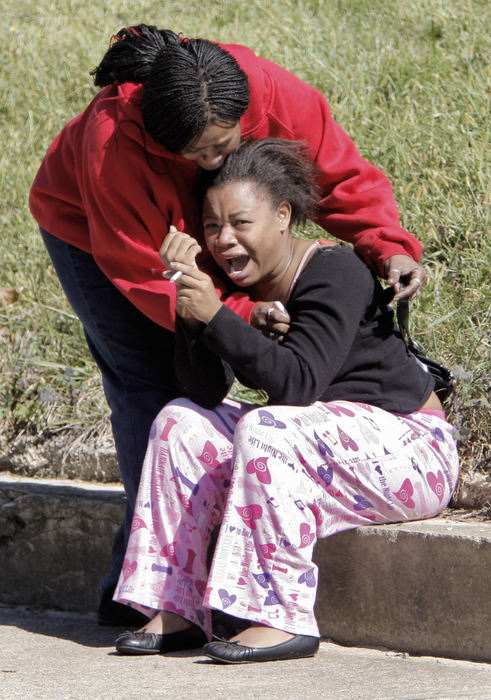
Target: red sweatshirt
(107, 187)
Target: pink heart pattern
(346, 441)
(138, 523)
(259, 466)
(267, 549)
(208, 457)
(169, 552)
(437, 484)
(249, 514)
(173, 608)
(200, 587)
(306, 536)
(340, 410)
(129, 568)
(405, 492)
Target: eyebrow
(239, 212)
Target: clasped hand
(196, 295)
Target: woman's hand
(178, 247)
(405, 275)
(196, 293)
(272, 319)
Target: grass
(406, 80)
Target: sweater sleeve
(357, 203)
(129, 207)
(326, 314)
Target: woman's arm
(201, 374)
(326, 307)
(357, 202)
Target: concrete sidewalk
(421, 587)
(55, 656)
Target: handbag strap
(445, 380)
(402, 313)
(403, 318)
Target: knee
(181, 412)
(272, 422)
(248, 424)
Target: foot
(164, 632)
(165, 623)
(296, 646)
(261, 636)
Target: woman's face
(215, 143)
(247, 236)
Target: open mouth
(234, 266)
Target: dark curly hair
(187, 83)
(277, 166)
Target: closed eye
(211, 226)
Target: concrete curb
(421, 587)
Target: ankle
(261, 635)
(165, 622)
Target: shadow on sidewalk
(81, 629)
(73, 627)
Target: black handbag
(444, 379)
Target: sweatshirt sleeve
(98, 189)
(357, 203)
(326, 314)
(129, 208)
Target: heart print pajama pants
(274, 479)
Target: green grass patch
(406, 80)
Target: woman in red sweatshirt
(123, 172)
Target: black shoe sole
(257, 661)
(298, 647)
(131, 651)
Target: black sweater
(342, 344)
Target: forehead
(239, 195)
(213, 135)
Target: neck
(276, 287)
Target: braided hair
(187, 83)
(278, 167)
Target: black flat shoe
(151, 643)
(113, 614)
(298, 647)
